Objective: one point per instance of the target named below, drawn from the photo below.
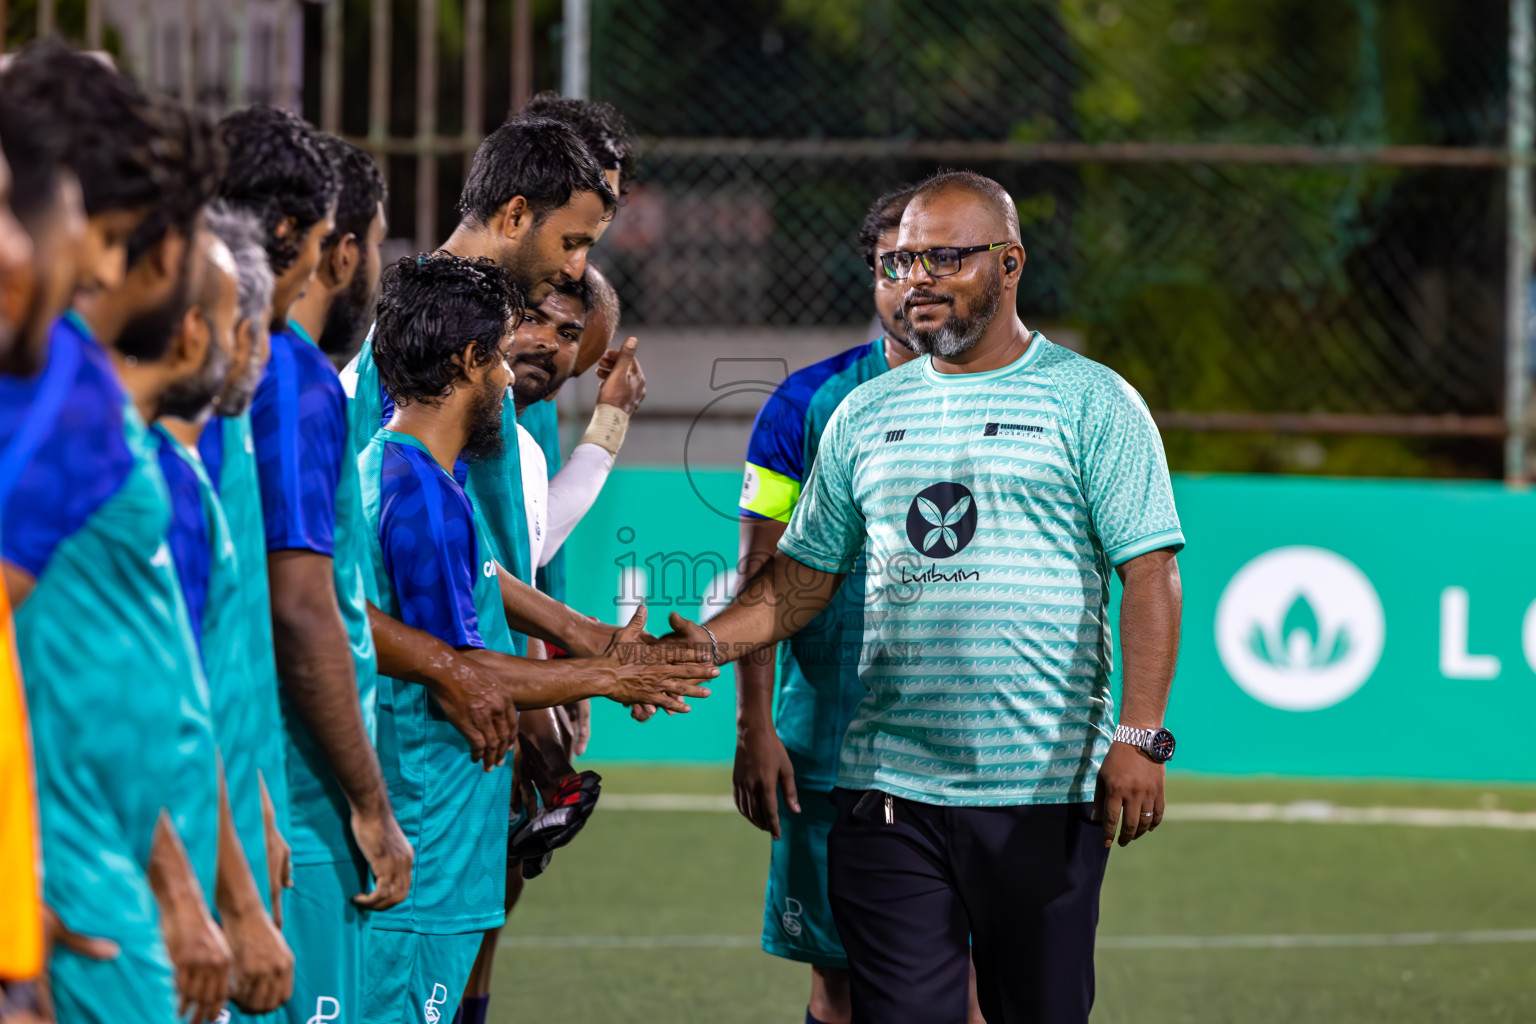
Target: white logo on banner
(1300, 628)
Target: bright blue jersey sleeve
(188, 537)
(427, 535)
(776, 451)
(299, 419)
(62, 452)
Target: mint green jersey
(992, 508)
(434, 570)
(819, 686)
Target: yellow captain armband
(769, 494)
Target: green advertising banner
(1331, 627)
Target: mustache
(543, 361)
(915, 297)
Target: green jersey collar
(1037, 341)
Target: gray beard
(951, 338)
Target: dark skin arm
(535, 614)
(762, 764)
(314, 660)
(1129, 796)
(776, 602)
(262, 974)
(194, 943)
(644, 680)
(473, 698)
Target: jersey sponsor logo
(895, 435)
(489, 568)
(1010, 429)
(790, 919)
(1300, 628)
(327, 1008)
(430, 1009)
(942, 520)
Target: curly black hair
(362, 188)
(112, 135)
(277, 170)
(601, 126)
(34, 147)
(538, 158)
(430, 307)
(884, 214)
(192, 163)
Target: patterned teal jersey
(819, 686)
(229, 455)
(435, 572)
(992, 508)
(244, 704)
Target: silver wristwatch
(1157, 744)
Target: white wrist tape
(607, 429)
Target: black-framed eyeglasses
(940, 262)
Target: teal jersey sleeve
(1125, 473)
(827, 529)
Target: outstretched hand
(659, 673)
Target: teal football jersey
(435, 572)
(229, 455)
(992, 508)
(819, 686)
(244, 705)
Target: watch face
(1162, 745)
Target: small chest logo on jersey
(1011, 430)
(894, 435)
(942, 520)
(489, 568)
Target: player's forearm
(235, 892)
(778, 601)
(171, 878)
(537, 615)
(535, 684)
(1150, 609)
(319, 678)
(412, 655)
(755, 674)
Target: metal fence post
(426, 124)
(522, 53)
(378, 81)
(576, 52)
(330, 67)
(1518, 260)
(474, 75)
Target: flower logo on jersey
(429, 1009)
(942, 520)
(1300, 628)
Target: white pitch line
(1117, 942)
(1302, 811)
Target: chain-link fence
(1268, 214)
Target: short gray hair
(243, 234)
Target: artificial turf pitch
(677, 899)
